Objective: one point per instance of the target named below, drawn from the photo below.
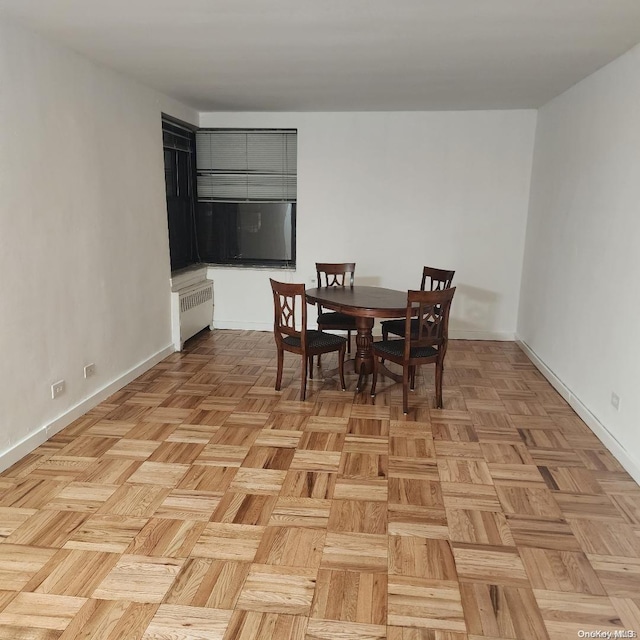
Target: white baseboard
(242, 326)
(500, 336)
(19, 450)
(600, 430)
(453, 334)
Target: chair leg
(374, 379)
(405, 390)
(310, 367)
(303, 385)
(280, 367)
(413, 378)
(341, 367)
(439, 384)
(319, 356)
(349, 341)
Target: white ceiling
(343, 55)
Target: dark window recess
(231, 195)
(179, 172)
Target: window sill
(254, 267)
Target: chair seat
(395, 348)
(336, 319)
(316, 340)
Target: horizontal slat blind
(241, 166)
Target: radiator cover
(191, 311)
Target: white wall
(84, 252)
(580, 311)
(394, 192)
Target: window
(231, 195)
(247, 188)
(179, 169)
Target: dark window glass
(251, 233)
(179, 159)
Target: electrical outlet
(89, 370)
(57, 388)
(615, 400)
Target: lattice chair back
(431, 308)
(335, 274)
(290, 310)
(439, 279)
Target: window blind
(246, 165)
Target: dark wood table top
(370, 302)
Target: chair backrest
(335, 274)
(288, 299)
(439, 279)
(432, 310)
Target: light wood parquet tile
(358, 516)
(223, 541)
(73, 573)
(19, 563)
(11, 518)
(243, 508)
(108, 533)
(139, 579)
(47, 528)
(479, 527)
(41, 611)
(351, 596)
(503, 564)
(308, 484)
(110, 620)
(543, 533)
(628, 506)
(424, 522)
(330, 630)
(355, 552)
(423, 603)
(278, 589)
(81, 497)
(504, 612)
(415, 633)
(187, 623)
(604, 537)
(376, 489)
(291, 547)
(255, 625)
(208, 583)
(458, 495)
(413, 467)
(620, 576)
(197, 502)
(566, 614)
(554, 570)
(629, 611)
(301, 512)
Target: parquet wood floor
(198, 503)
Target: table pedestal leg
(363, 364)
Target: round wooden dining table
(364, 304)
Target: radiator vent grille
(195, 299)
(191, 311)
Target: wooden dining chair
(294, 336)
(335, 274)
(437, 279)
(430, 310)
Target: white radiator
(191, 311)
